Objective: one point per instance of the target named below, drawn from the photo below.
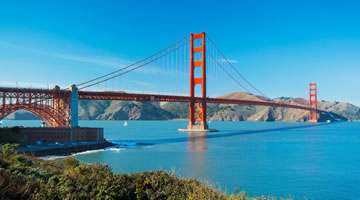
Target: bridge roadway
(58, 108)
(123, 96)
(85, 95)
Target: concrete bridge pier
(197, 129)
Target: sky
(279, 46)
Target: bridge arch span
(52, 106)
(44, 112)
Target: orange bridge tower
(313, 103)
(197, 106)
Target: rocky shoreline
(63, 149)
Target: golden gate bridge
(184, 64)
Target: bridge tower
(313, 103)
(197, 109)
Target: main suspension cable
(133, 63)
(132, 68)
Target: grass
(26, 177)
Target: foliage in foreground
(26, 177)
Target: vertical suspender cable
(167, 73)
(180, 71)
(172, 70)
(176, 73)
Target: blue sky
(279, 46)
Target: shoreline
(63, 149)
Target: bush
(8, 149)
(22, 160)
(26, 177)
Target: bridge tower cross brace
(197, 109)
(313, 103)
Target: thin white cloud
(149, 70)
(163, 71)
(149, 85)
(23, 84)
(116, 63)
(231, 61)
(90, 60)
(106, 61)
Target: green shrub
(8, 149)
(26, 177)
(22, 160)
(3, 164)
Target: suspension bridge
(193, 65)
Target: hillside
(22, 115)
(124, 110)
(26, 177)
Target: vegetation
(26, 177)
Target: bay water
(281, 159)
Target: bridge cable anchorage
(89, 81)
(251, 85)
(132, 68)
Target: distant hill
(122, 110)
(244, 96)
(22, 115)
(127, 110)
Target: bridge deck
(84, 95)
(91, 95)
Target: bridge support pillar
(74, 106)
(197, 109)
(313, 103)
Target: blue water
(301, 160)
